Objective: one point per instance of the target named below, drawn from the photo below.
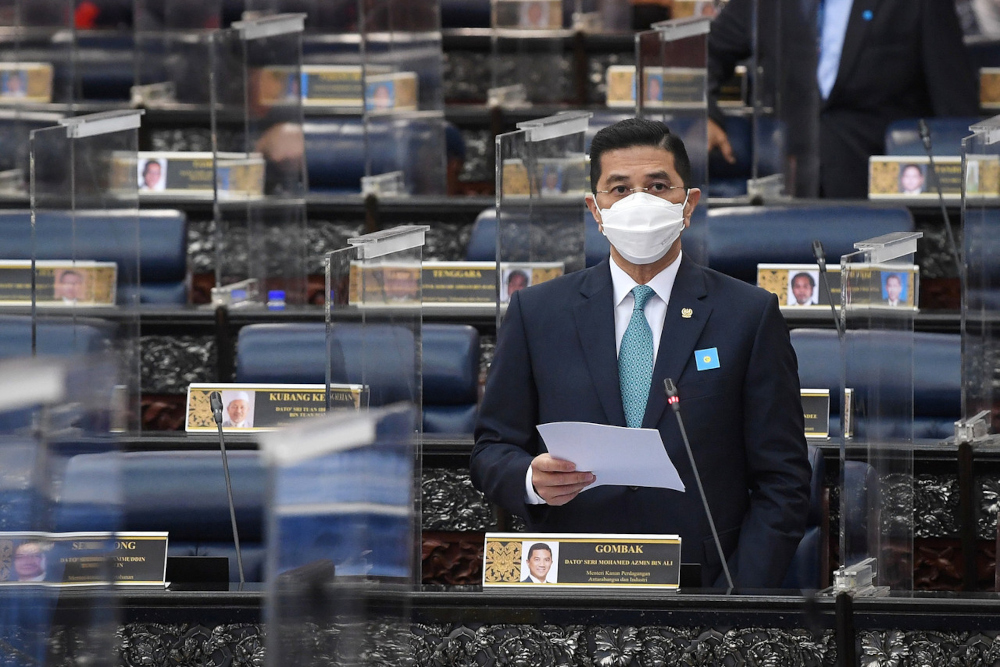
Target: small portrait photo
(71, 286)
(534, 15)
(654, 87)
(513, 280)
(381, 95)
(895, 288)
(971, 175)
(293, 87)
(912, 179)
(539, 562)
(802, 288)
(237, 409)
(153, 175)
(552, 180)
(29, 562)
(14, 83)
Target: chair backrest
(902, 137)
(98, 236)
(739, 238)
(482, 246)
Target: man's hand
(557, 480)
(718, 139)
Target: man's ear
(591, 201)
(694, 196)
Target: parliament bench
(379, 355)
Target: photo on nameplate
(540, 563)
(803, 288)
(896, 289)
(799, 286)
(25, 82)
(514, 279)
(910, 177)
(528, 14)
(153, 174)
(59, 283)
(258, 407)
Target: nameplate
(529, 14)
(620, 88)
(674, 87)
(445, 283)
(680, 9)
(189, 174)
(317, 85)
(83, 559)
(391, 93)
(257, 407)
(552, 179)
(58, 283)
(909, 177)
(574, 560)
(989, 88)
(25, 83)
(799, 287)
(816, 411)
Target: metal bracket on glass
(973, 429)
(587, 22)
(235, 295)
(890, 246)
(858, 580)
(507, 97)
(154, 94)
(562, 124)
(390, 184)
(386, 241)
(674, 29)
(768, 187)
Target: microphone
(821, 261)
(215, 400)
(674, 401)
(925, 137)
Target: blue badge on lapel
(867, 15)
(707, 359)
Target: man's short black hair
(899, 278)
(70, 272)
(539, 546)
(812, 281)
(517, 273)
(150, 163)
(638, 132)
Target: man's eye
(619, 190)
(659, 187)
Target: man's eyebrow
(617, 178)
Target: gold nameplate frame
(259, 407)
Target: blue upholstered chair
(482, 246)
(104, 237)
(937, 377)
(902, 137)
(295, 353)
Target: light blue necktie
(635, 359)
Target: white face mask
(642, 227)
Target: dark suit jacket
(907, 61)
(555, 361)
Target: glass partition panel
(672, 80)
(785, 99)
(404, 105)
(527, 50)
(172, 48)
(341, 529)
(38, 54)
(259, 157)
(981, 297)
(59, 477)
(83, 282)
(374, 289)
(877, 355)
(543, 177)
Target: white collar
(662, 283)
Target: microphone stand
(674, 401)
(925, 137)
(821, 261)
(215, 398)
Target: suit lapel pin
(686, 313)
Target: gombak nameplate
(578, 560)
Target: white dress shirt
(655, 312)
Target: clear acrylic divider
(172, 44)
(877, 366)
(527, 48)
(543, 177)
(786, 106)
(341, 529)
(38, 53)
(84, 276)
(374, 327)
(323, 17)
(259, 158)
(980, 293)
(59, 477)
(403, 99)
(672, 87)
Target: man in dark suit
(596, 345)
(857, 64)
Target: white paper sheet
(615, 454)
